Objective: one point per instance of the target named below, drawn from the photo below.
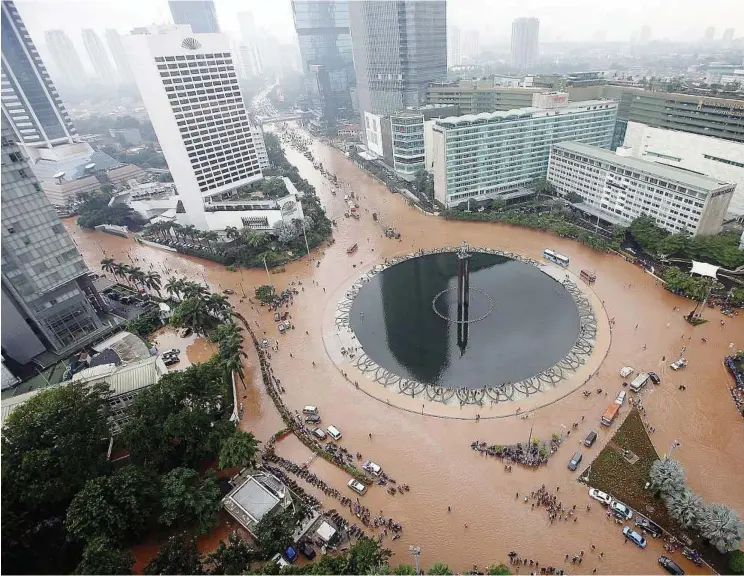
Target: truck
(639, 382)
(609, 416)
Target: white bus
(559, 259)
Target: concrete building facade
(201, 15)
(120, 59)
(399, 47)
(491, 155)
(66, 59)
(720, 159)
(624, 188)
(190, 88)
(524, 43)
(99, 57)
(477, 97)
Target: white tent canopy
(704, 269)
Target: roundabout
(513, 330)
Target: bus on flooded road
(559, 259)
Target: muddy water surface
(433, 454)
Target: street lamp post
(267, 273)
(305, 236)
(676, 444)
(416, 552)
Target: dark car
(670, 566)
(575, 461)
(649, 526)
(654, 377)
(228, 291)
(170, 360)
(590, 439)
(306, 550)
(314, 419)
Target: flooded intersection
(431, 453)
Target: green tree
(274, 533)
(187, 499)
(439, 568)
(107, 265)
(574, 198)
(238, 450)
(116, 507)
(367, 557)
(232, 557)
(722, 526)
(265, 293)
(684, 507)
(101, 556)
(667, 477)
(178, 555)
(647, 233)
(193, 313)
(736, 562)
(496, 569)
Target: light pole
(267, 273)
(305, 236)
(416, 552)
(676, 444)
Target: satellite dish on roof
(59, 176)
(90, 166)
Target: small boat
(351, 249)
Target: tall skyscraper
(190, 89)
(454, 47)
(199, 14)
(45, 286)
(728, 35)
(470, 45)
(710, 33)
(66, 58)
(524, 43)
(645, 34)
(399, 47)
(120, 59)
(29, 98)
(98, 57)
(325, 50)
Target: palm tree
(685, 507)
(107, 265)
(667, 477)
(218, 305)
(125, 271)
(194, 290)
(177, 230)
(173, 286)
(721, 526)
(137, 276)
(232, 232)
(211, 236)
(152, 281)
(191, 231)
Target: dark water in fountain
(520, 321)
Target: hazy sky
(559, 19)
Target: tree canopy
(178, 555)
(187, 499)
(231, 557)
(238, 450)
(101, 556)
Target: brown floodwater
(433, 454)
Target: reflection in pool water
(520, 321)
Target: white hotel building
(618, 189)
(481, 156)
(190, 89)
(720, 159)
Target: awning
(704, 269)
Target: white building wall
(188, 84)
(373, 128)
(621, 186)
(719, 159)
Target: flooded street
(432, 454)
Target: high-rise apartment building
(710, 33)
(454, 47)
(399, 48)
(201, 15)
(524, 43)
(120, 58)
(98, 57)
(720, 159)
(45, 287)
(619, 189)
(190, 88)
(66, 59)
(29, 98)
(249, 51)
(322, 28)
(488, 155)
(470, 45)
(728, 35)
(646, 34)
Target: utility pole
(305, 236)
(676, 444)
(416, 551)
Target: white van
(357, 486)
(639, 382)
(334, 432)
(319, 433)
(621, 397)
(372, 468)
(310, 410)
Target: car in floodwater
(671, 566)
(649, 526)
(320, 433)
(634, 537)
(357, 486)
(575, 461)
(313, 419)
(654, 377)
(621, 510)
(590, 439)
(600, 496)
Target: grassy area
(612, 473)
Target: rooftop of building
(256, 494)
(485, 117)
(662, 171)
